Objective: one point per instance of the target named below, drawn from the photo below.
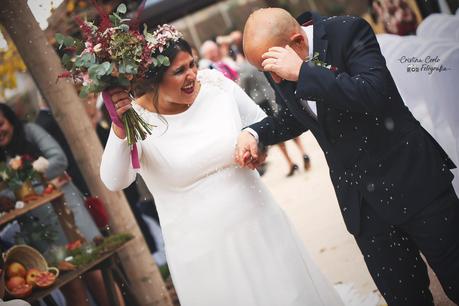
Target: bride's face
(179, 85)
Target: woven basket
(29, 258)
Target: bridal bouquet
(115, 54)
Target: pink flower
(15, 163)
(86, 79)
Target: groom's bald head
(266, 28)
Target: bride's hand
(255, 163)
(122, 102)
(246, 153)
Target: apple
(21, 291)
(45, 279)
(32, 275)
(49, 189)
(16, 269)
(14, 282)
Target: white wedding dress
(227, 241)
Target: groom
(391, 178)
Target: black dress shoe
(307, 162)
(292, 170)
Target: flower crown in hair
(160, 40)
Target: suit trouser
(392, 256)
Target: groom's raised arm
(363, 87)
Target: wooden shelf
(67, 276)
(13, 214)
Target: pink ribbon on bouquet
(116, 120)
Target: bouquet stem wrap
(128, 126)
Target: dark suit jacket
(377, 152)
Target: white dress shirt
(310, 34)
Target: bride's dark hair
(155, 75)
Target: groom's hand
(246, 153)
(282, 63)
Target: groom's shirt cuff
(253, 133)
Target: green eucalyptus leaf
(69, 41)
(84, 91)
(79, 61)
(122, 68)
(124, 27)
(163, 60)
(90, 60)
(59, 39)
(97, 71)
(107, 68)
(67, 61)
(131, 68)
(115, 19)
(149, 37)
(160, 59)
(94, 85)
(85, 60)
(121, 9)
(93, 72)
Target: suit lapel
(320, 46)
(287, 90)
(320, 39)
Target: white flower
(4, 176)
(19, 205)
(41, 164)
(98, 48)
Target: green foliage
(85, 60)
(15, 178)
(97, 71)
(122, 9)
(34, 232)
(88, 253)
(149, 37)
(163, 60)
(66, 41)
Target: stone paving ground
(309, 200)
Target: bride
(227, 241)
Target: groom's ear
(298, 43)
(296, 40)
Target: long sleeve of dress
(116, 171)
(49, 148)
(250, 112)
